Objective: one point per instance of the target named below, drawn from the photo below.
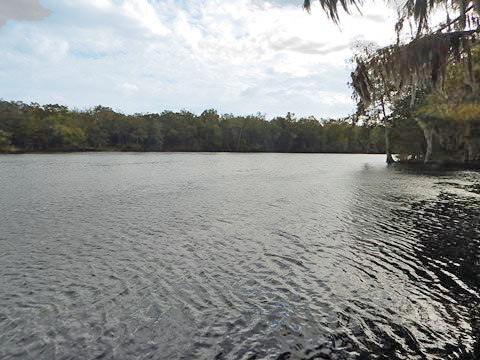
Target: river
(236, 256)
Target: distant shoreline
(79, 151)
(34, 128)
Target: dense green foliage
(406, 135)
(32, 127)
(426, 122)
(440, 124)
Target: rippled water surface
(236, 256)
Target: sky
(236, 56)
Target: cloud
(240, 56)
(128, 89)
(145, 14)
(296, 44)
(299, 45)
(21, 10)
(376, 17)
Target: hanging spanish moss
(419, 10)
(423, 62)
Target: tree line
(43, 128)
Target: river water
(236, 256)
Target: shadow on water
(449, 230)
(446, 229)
(444, 234)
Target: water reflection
(121, 256)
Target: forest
(51, 128)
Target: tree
(422, 61)
(153, 126)
(67, 137)
(374, 94)
(5, 141)
(407, 136)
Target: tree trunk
(239, 138)
(428, 133)
(469, 151)
(390, 159)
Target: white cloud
(145, 14)
(239, 56)
(190, 34)
(128, 89)
(101, 4)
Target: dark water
(229, 256)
